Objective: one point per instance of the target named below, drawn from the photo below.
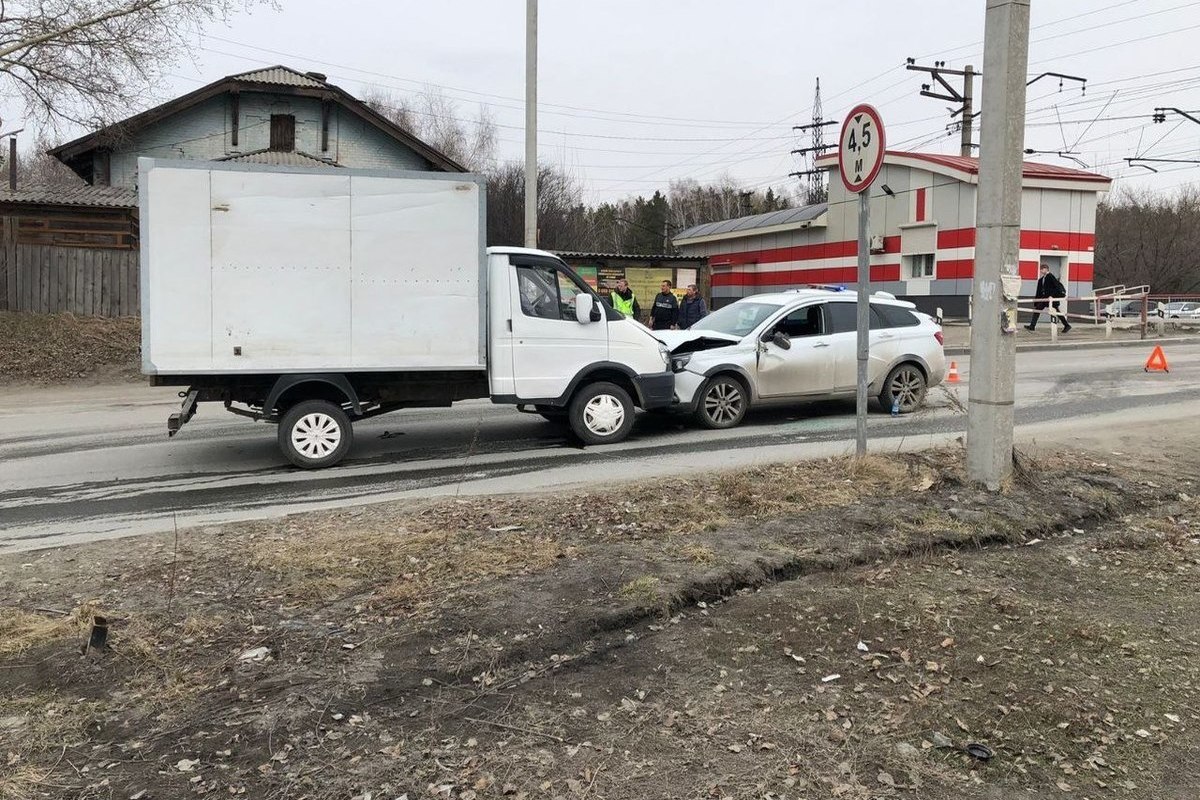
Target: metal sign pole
(864, 317)
(861, 152)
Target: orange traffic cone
(952, 375)
(1157, 362)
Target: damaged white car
(800, 346)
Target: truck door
(549, 345)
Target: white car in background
(799, 346)
(1182, 309)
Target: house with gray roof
(275, 115)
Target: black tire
(601, 413)
(907, 384)
(723, 402)
(315, 434)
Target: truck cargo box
(252, 269)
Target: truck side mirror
(585, 304)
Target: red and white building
(922, 235)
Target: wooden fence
(68, 276)
(49, 280)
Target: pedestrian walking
(1048, 286)
(665, 313)
(692, 309)
(624, 300)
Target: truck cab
(552, 341)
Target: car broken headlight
(679, 362)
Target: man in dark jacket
(692, 309)
(665, 313)
(1048, 286)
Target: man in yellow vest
(623, 300)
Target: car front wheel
(723, 402)
(601, 413)
(905, 387)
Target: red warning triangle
(1157, 362)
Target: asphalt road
(80, 464)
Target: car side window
(843, 318)
(807, 321)
(546, 293)
(896, 317)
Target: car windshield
(737, 319)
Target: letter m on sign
(858, 166)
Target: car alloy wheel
(722, 403)
(905, 387)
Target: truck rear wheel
(315, 434)
(601, 413)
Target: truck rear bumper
(656, 390)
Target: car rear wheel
(723, 402)
(601, 413)
(905, 386)
(315, 434)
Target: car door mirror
(584, 306)
(782, 340)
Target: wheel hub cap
(603, 414)
(316, 435)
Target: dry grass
(1146, 534)
(20, 630)
(405, 557)
(22, 782)
(401, 570)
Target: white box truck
(311, 298)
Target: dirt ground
(824, 629)
(58, 348)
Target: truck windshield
(737, 319)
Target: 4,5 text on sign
(860, 156)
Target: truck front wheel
(601, 413)
(315, 434)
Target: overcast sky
(634, 93)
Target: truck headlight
(679, 362)
(665, 354)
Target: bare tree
(434, 118)
(1143, 238)
(563, 222)
(36, 167)
(92, 61)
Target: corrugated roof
(970, 165)
(77, 154)
(84, 195)
(788, 216)
(629, 256)
(280, 76)
(280, 158)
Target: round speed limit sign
(861, 150)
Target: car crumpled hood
(694, 340)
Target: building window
(919, 266)
(283, 132)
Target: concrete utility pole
(531, 165)
(998, 241)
